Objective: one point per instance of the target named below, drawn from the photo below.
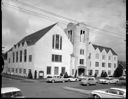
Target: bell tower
(79, 36)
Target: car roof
(9, 89)
(121, 89)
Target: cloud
(103, 14)
(14, 19)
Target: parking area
(41, 88)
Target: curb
(78, 90)
(22, 79)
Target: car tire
(87, 84)
(96, 97)
(53, 81)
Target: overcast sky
(110, 15)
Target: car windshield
(49, 77)
(84, 78)
(12, 94)
(17, 93)
(108, 78)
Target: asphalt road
(39, 89)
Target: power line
(66, 18)
(39, 14)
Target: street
(42, 89)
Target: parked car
(56, 79)
(88, 81)
(109, 80)
(109, 93)
(11, 92)
(81, 77)
(72, 79)
(122, 78)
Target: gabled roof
(107, 49)
(33, 38)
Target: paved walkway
(22, 78)
(78, 90)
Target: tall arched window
(25, 55)
(57, 42)
(82, 36)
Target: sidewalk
(22, 78)
(78, 90)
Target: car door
(111, 93)
(90, 80)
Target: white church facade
(51, 51)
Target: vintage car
(109, 93)
(72, 79)
(11, 92)
(122, 78)
(54, 79)
(109, 80)
(88, 81)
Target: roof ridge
(104, 47)
(34, 37)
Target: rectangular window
(16, 56)
(16, 70)
(56, 70)
(30, 58)
(53, 41)
(81, 51)
(9, 60)
(89, 56)
(20, 70)
(97, 56)
(20, 56)
(61, 42)
(103, 64)
(114, 65)
(48, 70)
(25, 55)
(109, 65)
(63, 70)
(24, 71)
(81, 61)
(103, 57)
(57, 41)
(97, 64)
(109, 57)
(56, 58)
(82, 36)
(13, 57)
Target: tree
(61, 74)
(2, 63)
(103, 74)
(118, 71)
(95, 75)
(30, 74)
(65, 75)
